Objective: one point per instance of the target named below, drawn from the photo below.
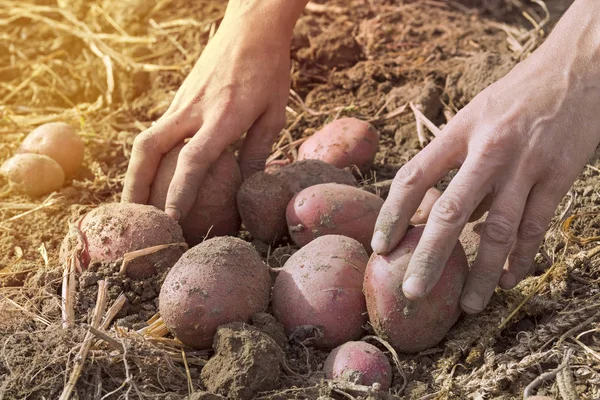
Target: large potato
(215, 211)
(360, 363)
(34, 174)
(333, 209)
(345, 142)
(112, 230)
(219, 281)
(320, 286)
(413, 325)
(262, 199)
(58, 141)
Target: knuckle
(448, 210)
(520, 264)
(498, 231)
(144, 142)
(532, 230)
(428, 261)
(409, 175)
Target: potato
(333, 209)
(34, 174)
(413, 325)
(360, 363)
(422, 214)
(219, 281)
(114, 229)
(58, 141)
(302, 174)
(345, 142)
(263, 198)
(320, 287)
(215, 211)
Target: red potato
(345, 142)
(215, 212)
(333, 209)
(34, 174)
(360, 363)
(263, 198)
(112, 230)
(413, 325)
(219, 281)
(58, 141)
(320, 286)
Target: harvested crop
(33, 174)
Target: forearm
(574, 44)
(275, 16)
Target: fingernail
(379, 243)
(173, 213)
(472, 303)
(414, 287)
(508, 281)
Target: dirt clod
(246, 362)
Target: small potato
(345, 142)
(320, 287)
(360, 363)
(261, 201)
(219, 281)
(114, 229)
(58, 141)
(34, 174)
(411, 326)
(263, 198)
(333, 209)
(215, 211)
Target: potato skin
(360, 363)
(345, 142)
(58, 141)
(413, 326)
(215, 211)
(263, 198)
(302, 174)
(261, 202)
(34, 174)
(219, 281)
(114, 229)
(321, 286)
(333, 209)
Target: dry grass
(111, 71)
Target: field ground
(111, 67)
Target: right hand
(239, 84)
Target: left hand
(522, 142)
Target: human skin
(239, 84)
(519, 144)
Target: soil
(354, 58)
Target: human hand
(239, 84)
(521, 143)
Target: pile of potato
(49, 155)
(328, 290)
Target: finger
(408, 190)
(194, 161)
(482, 208)
(497, 237)
(259, 142)
(148, 149)
(448, 217)
(536, 218)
